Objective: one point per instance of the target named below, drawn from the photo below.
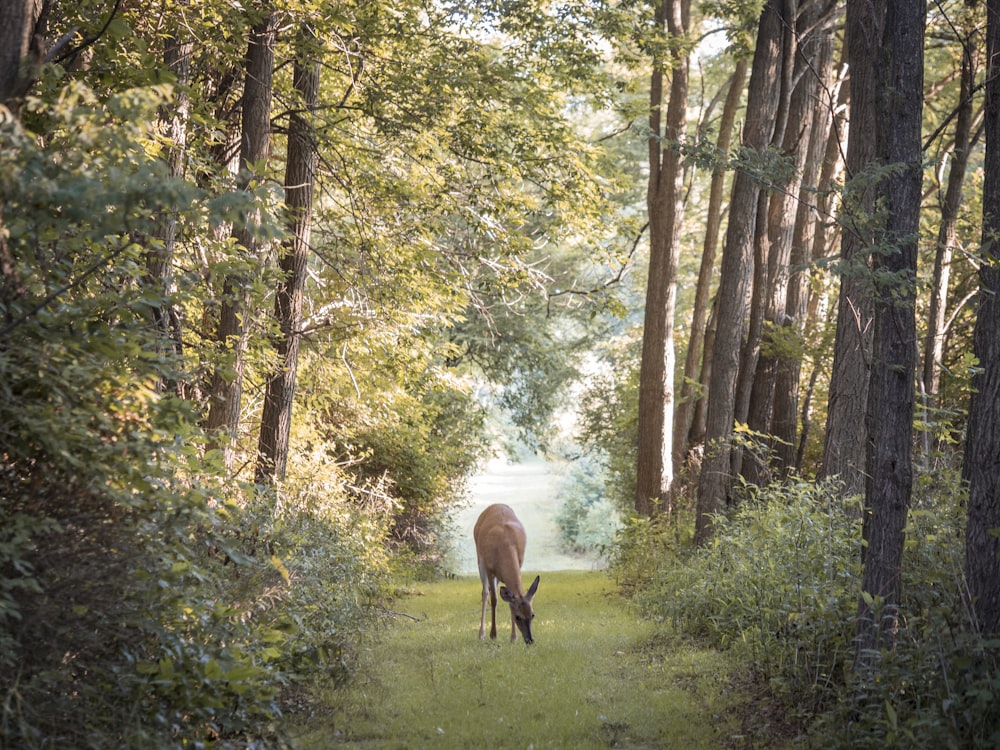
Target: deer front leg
(482, 618)
(493, 611)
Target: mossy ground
(598, 676)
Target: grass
(598, 676)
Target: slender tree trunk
(684, 414)
(979, 469)
(899, 97)
(951, 204)
(808, 246)
(300, 173)
(714, 481)
(788, 221)
(699, 420)
(255, 147)
(654, 471)
(174, 123)
(846, 439)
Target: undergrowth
(778, 587)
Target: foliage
(586, 520)
(139, 597)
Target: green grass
(598, 676)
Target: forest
(277, 277)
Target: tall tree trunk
(951, 203)
(774, 401)
(714, 481)
(979, 468)
(808, 244)
(803, 141)
(899, 97)
(846, 439)
(300, 173)
(255, 147)
(654, 471)
(686, 401)
(699, 419)
(174, 122)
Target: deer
(500, 542)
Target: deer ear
(534, 588)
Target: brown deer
(500, 551)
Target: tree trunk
(808, 246)
(714, 481)
(255, 147)
(654, 471)
(812, 56)
(18, 42)
(174, 122)
(300, 173)
(951, 203)
(979, 469)
(18, 20)
(687, 400)
(846, 439)
(899, 97)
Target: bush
(773, 586)
(587, 520)
(779, 586)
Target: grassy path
(597, 677)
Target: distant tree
(982, 446)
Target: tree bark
(300, 173)
(981, 465)
(808, 246)
(845, 444)
(255, 147)
(18, 42)
(951, 203)
(714, 481)
(173, 122)
(654, 471)
(899, 98)
(687, 400)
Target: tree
(950, 201)
(300, 175)
(845, 441)
(737, 269)
(788, 220)
(699, 345)
(255, 147)
(979, 467)
(654, 471)
(899, 107)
